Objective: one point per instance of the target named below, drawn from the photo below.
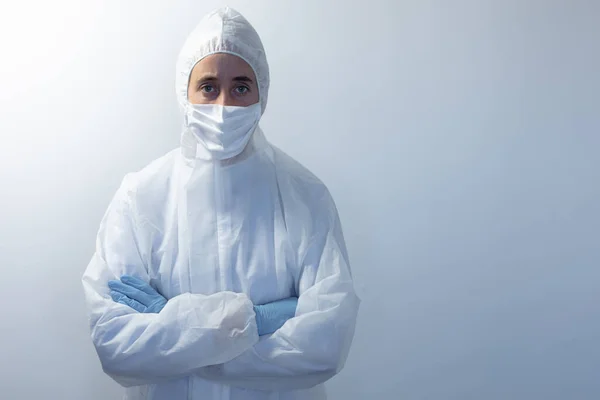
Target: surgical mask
(224, 131)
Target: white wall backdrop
(460, 139)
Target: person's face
(223, 79)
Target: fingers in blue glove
(138, 284)
(290, 304)
(130, 291)
(138, 290)
(272, 316)
(122, 299)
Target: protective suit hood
(223, 31)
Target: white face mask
(223, 130)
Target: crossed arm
(216, 336)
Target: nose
(225, 99)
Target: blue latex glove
(137, 294)
(271, 316)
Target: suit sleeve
(313, 346)
(192, 331)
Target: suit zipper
(218, 207)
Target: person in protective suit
(220, 269)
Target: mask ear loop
(185, 117)
(189, 142)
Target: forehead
(222, 66)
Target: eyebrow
(208, 78)
(243, 79)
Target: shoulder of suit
(154, 177)
(302, 183)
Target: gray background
(460, 140)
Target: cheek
(250, 98)
(195, 97)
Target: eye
(242, 89)
(208, 88)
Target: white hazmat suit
(216, 237)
